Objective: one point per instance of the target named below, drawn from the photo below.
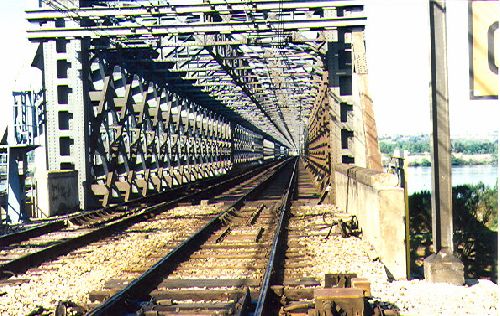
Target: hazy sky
(399, 70)
(398, 59)
(17, 53)
(15, 57)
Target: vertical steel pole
(442, 266)
(442, 219)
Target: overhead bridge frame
(144, 97)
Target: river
(419, 178)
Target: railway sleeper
(250, 237)
(301, 281)
(227, 307)
(208, 304)
(114, 220)
(202, 294)
(260, 246)
(193, 268)
(228, 254)
(207, 283)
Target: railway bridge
(144, 98)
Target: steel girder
(248, 146)
(263, 64)
(318, 145)
(145, 138)
(175, 8)
(157, 20)
(245, 49)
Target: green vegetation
(473, 147)
(421, 144)
(414, 144)
(457, 161)
(424, 163)
(475, 215)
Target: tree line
(421, 144)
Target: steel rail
(56, 225)
(262, 306)
(152, 277)
(23, 263)
(31, 232)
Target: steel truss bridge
(142, 96)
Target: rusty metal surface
(17, 237)
(342, 280)
(339, 302)
(95, 218)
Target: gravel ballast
(413, 297)
(72, 277)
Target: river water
(419, 178)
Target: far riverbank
(458, 159)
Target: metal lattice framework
(28, 117)
(183, 89)
(248, 146)
(318, 140)
(264, 54)
(146, 139)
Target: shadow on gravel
(475, 211)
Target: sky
(16, 56)
(397, 41)
(398, 45)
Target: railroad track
(92, 218)
(293, 286)
(220, 269)
(266, 253)
(23, 250)
(306, 283)
(104, 215)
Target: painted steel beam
(145, 10)
(278, 72)
(328, 23)
(259, 38)
(249, 90)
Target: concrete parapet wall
(57, 192)
(378, 202)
